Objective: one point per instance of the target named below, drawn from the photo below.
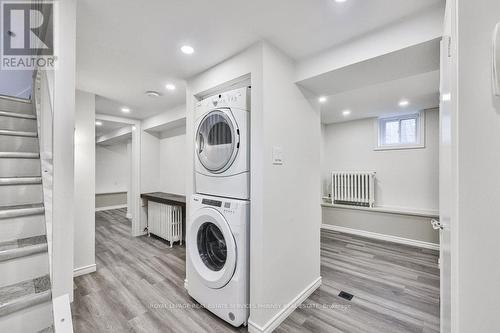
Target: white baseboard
(388, 238)
(84, 270)
(275, 321)
(100, 209)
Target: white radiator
(165, 221)
(353, 188)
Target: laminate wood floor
(139, 287)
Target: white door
(213, 248)
(446, 119)
(217, 141)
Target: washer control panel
(214, 203)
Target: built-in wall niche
(170, 129)
(112, 132)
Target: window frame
(419, 131)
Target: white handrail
(43, 105)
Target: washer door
(217, 141)
(212, 248)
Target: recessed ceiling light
(98, 123)
(152, 93)
(322, 99)
(340, 1)
(186, 49)
(404, 102)
(170, 86)
(345, 113)
(125, 109)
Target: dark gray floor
(138, 287)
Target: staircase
(25, 288)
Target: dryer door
(212, 248)
(217, 141)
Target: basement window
(401, 132)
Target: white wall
(150, 163)
(173, 156)
(278, 107)
(16, 83)
(289, 242)
(478, 184)
(112, 168)
(84, 246)
(407, 178)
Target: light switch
(496, 60)
(277, 155)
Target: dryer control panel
(238, 99)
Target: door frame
(138, 224)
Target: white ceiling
(125, 47)
(383, 99)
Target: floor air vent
(346, 296)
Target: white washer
(222, 145)
(218, 256)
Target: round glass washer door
(213, 249)
(216, 145)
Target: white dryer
(218, 256)
(222, 145)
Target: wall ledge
(383, 237)
(100, 209)
(387, 210)
(285, 311)
(112, 192)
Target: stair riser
(12, 195)
(17, 124)
(21, 227)
(32, 319)
(19, 167)
(18, 144)
(24, 268)
(14, 106)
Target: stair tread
(20, 207)
(18, 133)
(20, 180)
(15, 114)
(23, 242)
(25, 294)
(21, 290)
(16, 154)
(19, 248)
(21, 210)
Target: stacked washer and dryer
(218, 257)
